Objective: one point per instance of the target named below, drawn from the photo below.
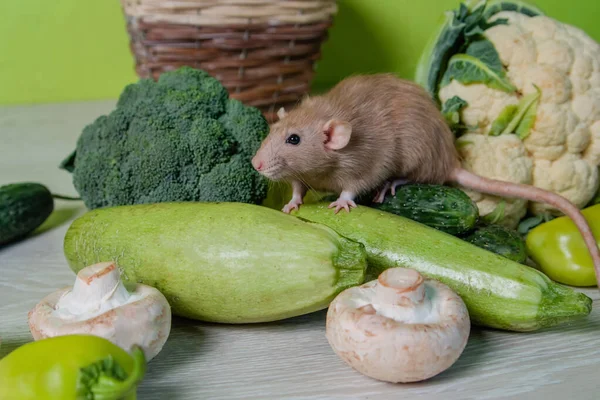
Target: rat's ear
(338, 134)
(281, 113)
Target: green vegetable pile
(174, 203)
(178, 139)
(270, 265)
(450, 210)
(497, 291)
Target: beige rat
(377, 132)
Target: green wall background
(70, 50)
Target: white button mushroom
(399, 327)
(99, 304)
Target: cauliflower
(521, 91)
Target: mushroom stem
(400, 295)
(400, 287)
(97, 288)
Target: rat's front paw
(292, 205)
(346, 204)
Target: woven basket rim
(230, 12)
(263, 51)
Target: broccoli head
(180, 138)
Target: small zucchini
(23, 207)
(444, 208)
(499, 293)
(220, 262)
(500, 240)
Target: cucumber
(499, 293)
(445, 208)
(23, 208)
(500, 240)
(220, 262)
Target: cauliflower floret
(578, 139)
(581, 73)
(595, 79)
(514, 45)
(592, 152)
(548, 136)
(557, 54)
(587, 105)
(554, 85)
(540, 28)
(569, 176)
(562, 151)
(497, 157)
(484, 103)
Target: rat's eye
(293, 139)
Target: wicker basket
(263, 51)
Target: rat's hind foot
(381, 194)
(293, 204)
(391, 186)
(396, 183)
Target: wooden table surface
(289, 359)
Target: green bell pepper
(560, 252)
(71, 367)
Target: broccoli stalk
(180, 138)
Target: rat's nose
(257, 164)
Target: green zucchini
(23, 208)
(445, 208)
(500, 240)
(498, 292)
(220, 262)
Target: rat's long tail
(532, 193)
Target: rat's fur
(373, 105)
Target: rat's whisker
(277, 164)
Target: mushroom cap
(399, 327)
(144, 318)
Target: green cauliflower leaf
(480, 64)
(451, 111)
(517, 118)
(503, 120)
